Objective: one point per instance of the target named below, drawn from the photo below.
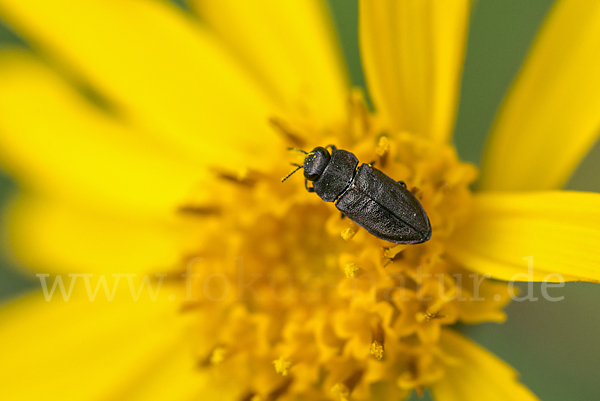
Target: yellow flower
(150, 141)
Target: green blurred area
(553, 345)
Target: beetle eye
(311, 176)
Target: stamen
(416, 192)
(377, 350)
(283, 129)
(243, 177)
(359, 114)
(282, 365)
(341, 391)
(279, 391)
(252, 397)
(391, 253)
(350, 269)
(299, 150)
(428, 316)
(382, 150)
(200, 211)
(410, 378)
(218, 356)
(188, 306)
(344, 389)
(348, 233)
(377, 344)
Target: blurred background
(555, 346)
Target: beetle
(373, 200)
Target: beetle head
(315, 163)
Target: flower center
(295, 301)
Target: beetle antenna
(290, 174)
(298, 150)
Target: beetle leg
(333, 147)
(402, 183)
(343, 215)
(372, 163)
(309, 189)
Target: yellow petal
(477, 375)
(57, 237)
(290, 47)
(82, 350)
(164, 72)
(550, 117)
(413, 52)
(560, 230)
(56, 142)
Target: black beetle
(371, 199)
